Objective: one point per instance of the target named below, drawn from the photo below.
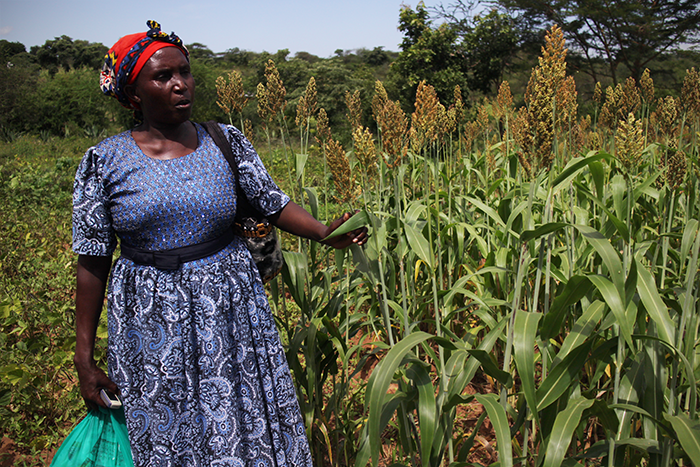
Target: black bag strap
(217, 134)
(245, 209)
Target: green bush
(38, 403)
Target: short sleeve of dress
(257, 184)
(92, 227)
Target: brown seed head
(231, 96)
(595, 141)
(540, 97)
(566, 103)
(598, 93)
(379, 100)
(323, 131)
(674, 166)
(629, 142)
(424, 118)
(354, 104)
(307, 103)
(395, 129)
(248, 131)
(224, 95)
(445, 123)
(263, 102)
(458, 105)
(276, 93)
(522, 133)
(504, 102)
(632, 96)
(580, 133)
(469, 135)
(691, 92)
(340, 169)
(613, 107)
(647, 85)
(666, 115)
(553, 59)
(482, 116)
(365, 150)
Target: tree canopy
(66, 53)
(614, 32)
(430, 54)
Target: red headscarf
(127, 57)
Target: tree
(490, 45)
(66, 53)
(615, 32)
(10, 49)
(199, 51)
(433, 55)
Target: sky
(319, 27)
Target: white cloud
(5, 30)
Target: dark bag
(259, 234)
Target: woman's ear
(131, 93)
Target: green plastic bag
(100, 440)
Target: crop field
(529, 294)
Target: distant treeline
(53, 89)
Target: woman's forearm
(295, 220)
(92, 274)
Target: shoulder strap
(217, 134)
(244, 208)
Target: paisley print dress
(194, 351)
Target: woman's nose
(180, 82)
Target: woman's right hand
(92, 379)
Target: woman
(193, 351)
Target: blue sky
(315, 26)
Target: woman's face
(164, 89)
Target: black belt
(172, 259)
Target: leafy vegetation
(532, 263)
(38, 403)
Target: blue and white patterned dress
(195, 351)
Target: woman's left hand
(357, 236)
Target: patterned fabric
(125, 59)
(195, 351)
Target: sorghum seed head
(629, 142)
(647, 85)
(364, 149)
(263, 103)
(691, 92)
(354, 104)
(424, 118)
(379, 100)
(275, 89)
(307, 103)
(340, 169)
(395, 129)
(323, 131)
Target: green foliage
(573, 290)
(38, 402)
(619, 33)
(64, 52)
(490, 47)
(428, 54)
(10, 49)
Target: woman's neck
(164, 141)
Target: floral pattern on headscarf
(125, 59)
